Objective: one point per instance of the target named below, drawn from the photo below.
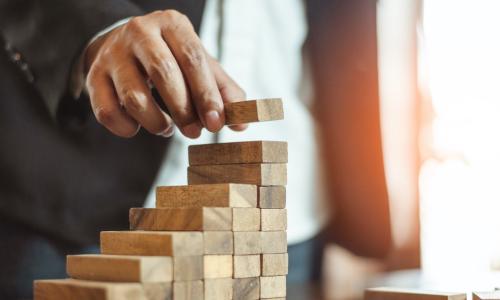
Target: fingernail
(192, 130)
(212, 120)
(168, 132)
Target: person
(100, 100)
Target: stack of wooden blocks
(222, 236)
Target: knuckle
(136, 26)
(133, 101)
(105, 115)
(193, 55)
(160, 68)
(174, 15)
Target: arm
(50, 35)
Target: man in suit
(72, 167)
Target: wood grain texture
(181, 219)
(152, 243)
(246, 219)
(274, 242)
(247, 242)
(158, 291)
(188, 290)
(258, 174)
(246, 288)
(274, 264)
(64, 289)
(218, 242)
(493, 295)
(246, 266)
(119, 268)
(188, 268)
(219, 289)
(384, 293)
(253, 111)
(273, 287)
(271, 197)
(238, 153)
(218, 266)
(273, 219)
(207, 195)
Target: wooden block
(188, 290)
(493, 295)
(218, 266)
(246, 288)
(273, 219)
(207, 195)
(152, 243)
(274, 242)
(218, 242)
(219, 289)
(384, 293)
(253, 111)
(246, 219)
(274, 264)
(258, 174)
(271, 197)
(238, 153)
(158, 291)
(246, 266)
(188, 268)
(64, 289)
(247, 242)
(273, 287)
(189, 219)
(119, 268)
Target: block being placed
(258, 174)
(246, 288)
(120, 268)
(247, 242)
(273, 242)
(273, 219)
(207, 195)
(238, 153)
(246, 266)
(218, 266)
(219, 289)
(180, 219)
(493, 295)
(218, 242)
(271, 196)
(274, 264)
(188, 290)
(253, 111)
(273, 287)
(386, 293)
(150, 243)
(246, 219)
(188, 268)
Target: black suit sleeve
(47, 36)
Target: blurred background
(438, 65)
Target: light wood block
(493, 295)
(238, 153)
(273, 287)
(120, 268)
(188, 290)
(384, 293)
(188, 268)
(218, 266)
(271, 197)
(64, 289)
(274, 264)
(258, 174)
(218, 242)
(152, 243)
(207, 195)
(180, 219)
(273, 219)
(247, 242)
(253, 111)
(274, 242)
(246, 288)
(219, 289)
(246, 219)
(246, 266)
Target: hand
(161, 48)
